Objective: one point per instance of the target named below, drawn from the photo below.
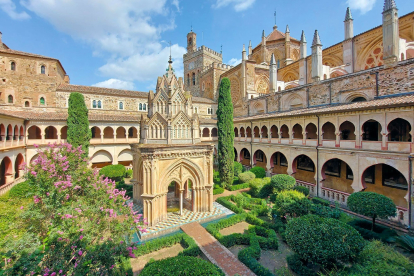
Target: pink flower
(81, 237)
(53, 274)
(80, 252)
(34, 173)
(60, 271)
(121, 242)
(81, 230)
(47, 194)
(21, 207)
(76, 264)
(59, 239)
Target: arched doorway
(34, 133)
(6, 171)
(18, 166)
(371, 131)
(284, 132)
(259, 159)
(386, 180)
(303, 169)
(279, 163)
(399, 131)
(274, 132)
(297, 132)
(328, 131)
(347, 130)
(311, 131)
(51, 132)
(337, 175)
(101, 159)
(206, 132)
(245, 157)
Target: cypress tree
(225, 134)
(79, 133)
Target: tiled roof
(207, 121)
(100, 90)
(62, 115)
(378, 103)
(203, 100)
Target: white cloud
(234, 61)
(115, 83)
(363, 6)
(238, 5)
(10, 8)
(125, 33)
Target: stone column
(181, 202)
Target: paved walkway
(215, 252)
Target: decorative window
(140, 106)
(194, 79)
(283, 161)
(144, 106)
(259, 156)
(42, 101)
(10, 99)
(333, 168)
(121, 106)
(188, 79)
(349, 173)
(209, 111)
(305, 163)
(26, 104)
(94, 104)
(99, 104)
(43, 69)
(13, 66)
(375, 58)
(369, 175)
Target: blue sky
(124, 44)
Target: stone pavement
(215, 252)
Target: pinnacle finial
(250, 43)
(287, 29)
(263, 34)
(302, 37)
(348, 15)
(389, 4)
(316, 39)
(272, 60)
(244, 48)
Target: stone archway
(156, 167)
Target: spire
(316, 39)
(272, 60)
(263, 34)
(389, 4)
(250, 47)
(287, 29)
(244, 48)
(348, 15)
(250, 43)
(170, 60)
(302, 37)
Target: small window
(99, 104)
(140, 106)
(121, 105)
(42, 101)
(94, 104)
(195, 110)
(13, 66)
(43, 69)
(194, 78)
(26, 104)
(144, 107)
(10, 99)
(369, 175)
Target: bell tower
(191, 42)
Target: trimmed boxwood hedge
(304, 190)
(239, 187)
(191, 248)
(259, 172)
(246, 177)
(217, 190)
(114, 172)
(181, 266)
(320, 201)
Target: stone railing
(335, 195)
(5, 188)
(312, 187)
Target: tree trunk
(373, 223)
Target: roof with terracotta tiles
(377, 103)
(62, 115)
(101, 90)
(207, 121)
(119, 92)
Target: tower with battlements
(195, 60)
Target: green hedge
(246, 177)
(260, 187)
(304, 190)
(191, 248)
(128, 173)
(259, 172)
(380, 232)
(239, 187)
(325, 211)
(296, 265)
(320, 201)
(238, 168)
(128, 188)
(181, 266)
(20, 190)
(217, 190)
(282, 182)
(114, 172)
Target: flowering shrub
(78, 222)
